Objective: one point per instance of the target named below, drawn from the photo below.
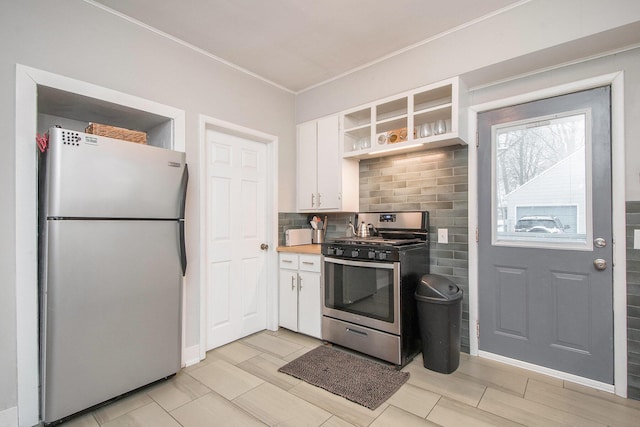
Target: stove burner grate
(377, 241)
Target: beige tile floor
(239, 385)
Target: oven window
(364, 291)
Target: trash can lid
(433, 287)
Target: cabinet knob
(264, 246)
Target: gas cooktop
(375, 241)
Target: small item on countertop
(317, 236)
(326, 221)
(297, 236)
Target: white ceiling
(297, 44)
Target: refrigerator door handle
(183, 249)
(183, 201)
(183, 190)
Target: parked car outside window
(540, 224)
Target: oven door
(365, 293)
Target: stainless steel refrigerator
(112, 259)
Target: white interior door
(236, 218)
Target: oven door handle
(368, 264)
(357, 332)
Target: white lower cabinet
(300, 298)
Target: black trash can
(439, 302)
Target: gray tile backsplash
(436, 181)
(336, 225)
(633, 303)
(433, 180)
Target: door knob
(264, 246)
(600, 264)
(600, 242)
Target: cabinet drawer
(310, 263)
(289, 261)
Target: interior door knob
(264, 246)
(600, 264)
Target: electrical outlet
(443, 235)
(636, 239)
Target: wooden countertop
(301, 249)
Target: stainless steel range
(368, 303)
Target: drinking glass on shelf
(426, 130)
(440, 127)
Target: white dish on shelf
(382, 138)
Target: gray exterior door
(544, 236)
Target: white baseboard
(190, 356)
(551, 372)
(9, 417)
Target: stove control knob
(339, 251)
(372, 255)
(354, 254)
(382, 255)
(331, 251)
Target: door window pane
(540, 191)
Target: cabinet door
(307, 166)
(329, 163)
(310, 315)
(288, 308)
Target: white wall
(533, 37)
(75, 39)
(533, 27)
(628, 61)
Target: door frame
(205, 123)
(27, 80)
(616, 81)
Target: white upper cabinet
(307, 163)
(428, 117)
(325, 181)
(329, 161)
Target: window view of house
(539, 180)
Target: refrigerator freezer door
(112, 310)
(98, 177)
